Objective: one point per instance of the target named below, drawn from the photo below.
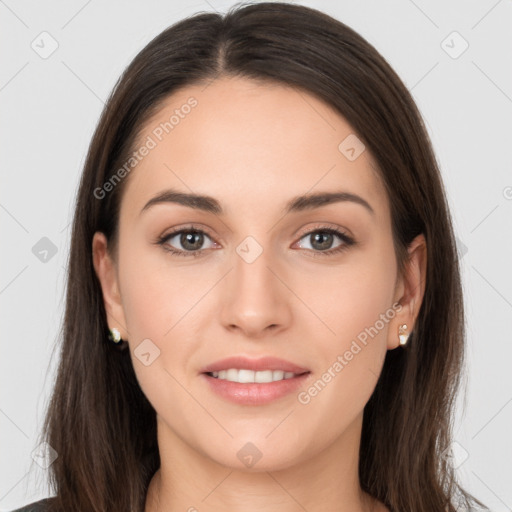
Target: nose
(256, 299)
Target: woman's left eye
(192, 240)
(322, 238)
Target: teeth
(247, 376)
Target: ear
(106, 272)
(410, 290)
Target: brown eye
(185, 242)
(191, 240)
(321, 241)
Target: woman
(264, 307)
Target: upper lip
(260, 364)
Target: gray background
(50, 107)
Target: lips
(260, 364)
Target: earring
(402, 334)
(114, 335)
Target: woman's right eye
(191, 241)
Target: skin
(253, 147)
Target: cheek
(356, 303)
(156, 293)
(352, 296)
(161, 303)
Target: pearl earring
(115, 335)
(402, 334)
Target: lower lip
(254, 393)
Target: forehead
(250, 145)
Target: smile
(250, 376)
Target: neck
(327, 481)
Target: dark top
(36, 506)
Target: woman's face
(258, 279)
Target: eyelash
(347, 241)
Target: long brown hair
(99, 421)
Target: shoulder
(36, 506)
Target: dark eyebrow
(196, 201)
(297, 204)
(310, 201)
